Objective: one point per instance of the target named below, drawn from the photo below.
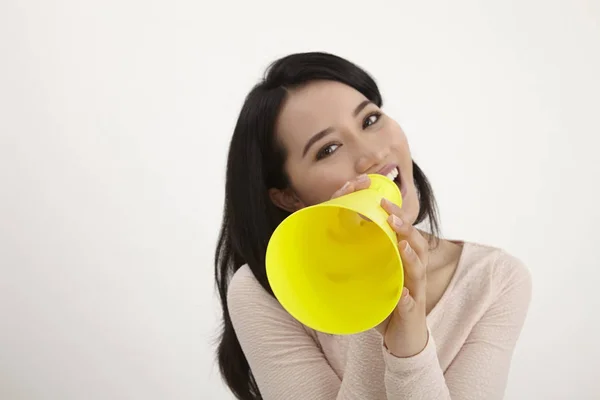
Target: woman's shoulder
(254, 311)
(496, 266)
(243, 286)
(493, 259)
(248, 302)
(247, 298)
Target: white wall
(115, 118)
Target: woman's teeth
(393, 174)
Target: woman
(311, 130)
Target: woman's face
(332, 134)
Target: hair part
(255, 164)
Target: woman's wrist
(409, 343)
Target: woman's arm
(286, 361)
(480, 369)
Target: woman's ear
(286, 199)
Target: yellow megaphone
(333, 270)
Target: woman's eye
(327, 151)
(371, 119)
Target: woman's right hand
(359, 183)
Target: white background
(115, 118)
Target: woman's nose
(370, 157)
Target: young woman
(313, 129)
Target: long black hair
(255, 164)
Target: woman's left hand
(405, 330)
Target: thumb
(406, 302)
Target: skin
(361, 141)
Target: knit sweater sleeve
(480, 369)
(286, 361)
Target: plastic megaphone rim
(379, 315)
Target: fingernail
(362, 178)
(404, 294)
(345, 186)
(396, 221)
(407, 248)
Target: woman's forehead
(314, 107)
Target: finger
(391, 207)
(406, 302)
(347, 188)
(361, 182)
(405, 231)
(414, 271)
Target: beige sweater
(473, 331)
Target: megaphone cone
(333, 270)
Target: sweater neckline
(459, 266)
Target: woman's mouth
(393, 173)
